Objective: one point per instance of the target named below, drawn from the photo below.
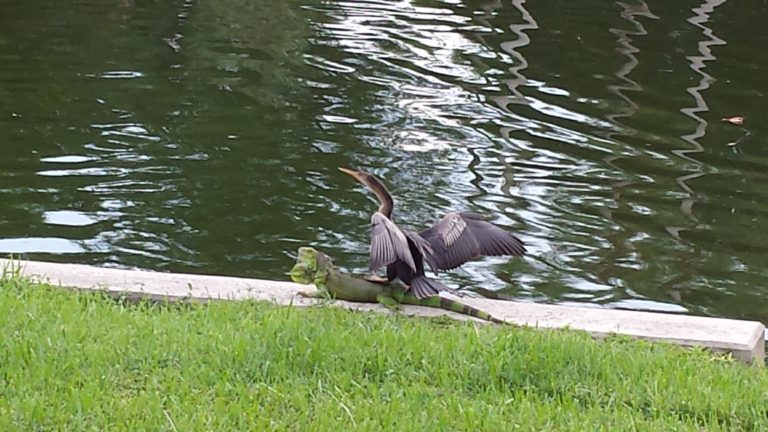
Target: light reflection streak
(677, 286)
(624, 39)
(620, 237)
(697, 64)
(520, 63)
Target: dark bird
(455, 239)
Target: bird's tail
(423, 287)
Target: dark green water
(204, 137)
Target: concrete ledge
(744, 339)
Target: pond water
(204, 137)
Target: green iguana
(315, 267)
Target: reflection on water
(697, 65)
(205, 137)
(69, 218)
(40, 244)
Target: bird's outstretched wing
(459, 237)
(388, 244)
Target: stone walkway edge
(744, 339)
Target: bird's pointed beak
(355, 174)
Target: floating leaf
(737, 120)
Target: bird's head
(361, 176)
(375, 185)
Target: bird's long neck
(383, 195)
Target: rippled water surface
(204, 137)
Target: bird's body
(452, 241)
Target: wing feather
(388, 244)
(460, 237)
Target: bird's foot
(377, 279)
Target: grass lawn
(79, 361)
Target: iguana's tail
(429, 289)
(452, 305)
(423, 287)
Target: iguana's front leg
(318, 294)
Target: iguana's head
(312, 267)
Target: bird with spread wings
(455, 239)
